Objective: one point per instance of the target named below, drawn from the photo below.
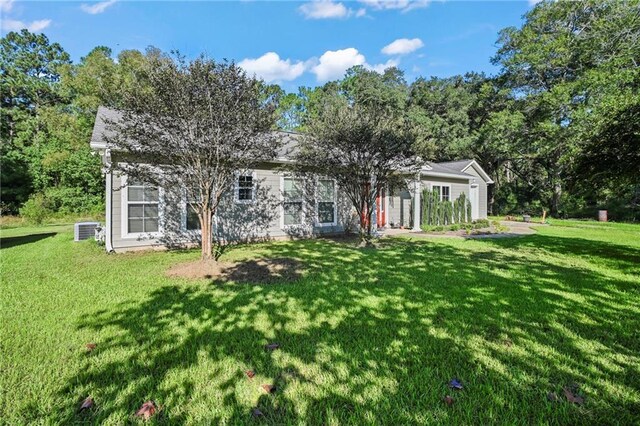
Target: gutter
(446, 175)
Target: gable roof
(104, 115)
(440, 169)
(454, 169)
(464, 165)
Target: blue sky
(286, 42)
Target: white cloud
(534, 2)
(271, 68)
(6, 5)
(402, 46)
(324, 9)
(361, 12)
(34, 26)
(333, 63)
(403, 5)
(97, 8)
(379, 68)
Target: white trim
(448, 175)
(335, 204)
(124, 214)
(236, 190)
(417, 193)
(302, 211)
(480, 171)
(475, 201)
(441, 185)
(108, 240)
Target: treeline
(557, 128)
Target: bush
(480, 223)
(36, 209)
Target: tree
(192, 126)
(567, 61)
(29, 78)
(359, 138)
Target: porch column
(374, 211)
(416, 204)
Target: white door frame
(474, 198)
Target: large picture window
(326, 199)
(142, 207)
(292, 201)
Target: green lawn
(367, 335)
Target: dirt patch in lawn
(254, 271)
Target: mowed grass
(366, 335)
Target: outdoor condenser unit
(84, 230)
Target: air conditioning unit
(84, 230)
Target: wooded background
(558, 128)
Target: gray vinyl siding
(399, 206)
(482, 190)
(235, 221)
(458, 186)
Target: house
(268, 203)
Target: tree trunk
(557, 193)
(555, 200)
(206, 238)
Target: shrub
(480, 223)
(36, 209)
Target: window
(192, 220)
(292, 201)
(444, 192)
(142, 207)
(244, 188)
(326, 201)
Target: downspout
(108, 238)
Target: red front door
(381, 210)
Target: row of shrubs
(437, 212)
(469, 226)
(60, 202)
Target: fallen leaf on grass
(448, 400)
(272, 346)
(250, 374)
(256, 412)
(90, 346)
(269, 388)
(553, 397)
(86, 404)
(455, 384)
(147, 410)
(572, 397)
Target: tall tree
(359, 137)
(29, 78)
(202, 121)
(549, 63)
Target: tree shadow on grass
(8, 242)
(373, 336)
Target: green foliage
(36, 209)
(442, 213)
